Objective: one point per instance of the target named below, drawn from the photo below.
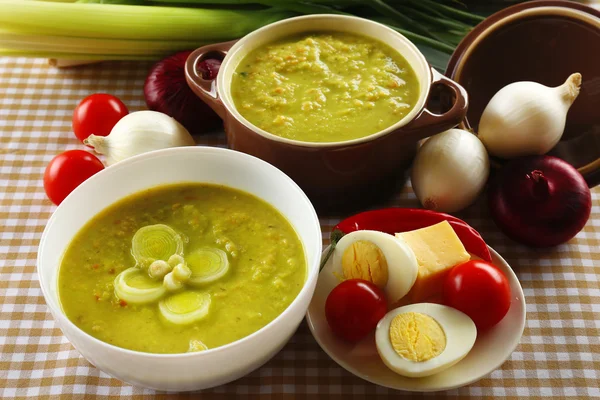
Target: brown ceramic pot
(541, 41)
(337, 172)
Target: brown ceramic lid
(547, 47)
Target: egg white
(460, 334)
(401, 261)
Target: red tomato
(353, 309)
(97, 114)
(480, 290)
(68, 170)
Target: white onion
(450, 170)
(140, 132)
(527, 118)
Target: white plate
(491, 349)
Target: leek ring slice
(196, 345)
(207, 265)
(156, 242)
(136, 287)
(182, 273)
(185, 307)
(175, 260)
(172, 284)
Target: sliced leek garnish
(207, 265)
(175, 260)
(196, 345)
(182, 272)
(156, 242)
(185, 307)
(135, 286)
(158, 269)
(171, 283)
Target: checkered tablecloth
(559, 354)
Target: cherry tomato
(353, 309)
(68, 170)
(97, 114)
(480, 290)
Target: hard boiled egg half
(379, 258)
(423, 339)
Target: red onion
(540, 201)
(167, 91)
(209, 68)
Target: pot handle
(206, 89)
(591, 173)
(428, 123)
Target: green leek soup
(181, 268)
(324, 87)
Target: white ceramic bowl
(187, 371)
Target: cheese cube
(437, 249)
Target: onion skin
(167, 91)
(209, 68)
(539, 201)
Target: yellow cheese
(437, 249)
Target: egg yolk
(364, 260)
(417, 337)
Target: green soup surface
(267, 268)
(324, 87)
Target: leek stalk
(91, 46)
(114, 21)
(74, 56)
(149, 29)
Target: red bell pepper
(394, 220)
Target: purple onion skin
(539, 201)
(167, 91)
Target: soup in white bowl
(190, 165)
